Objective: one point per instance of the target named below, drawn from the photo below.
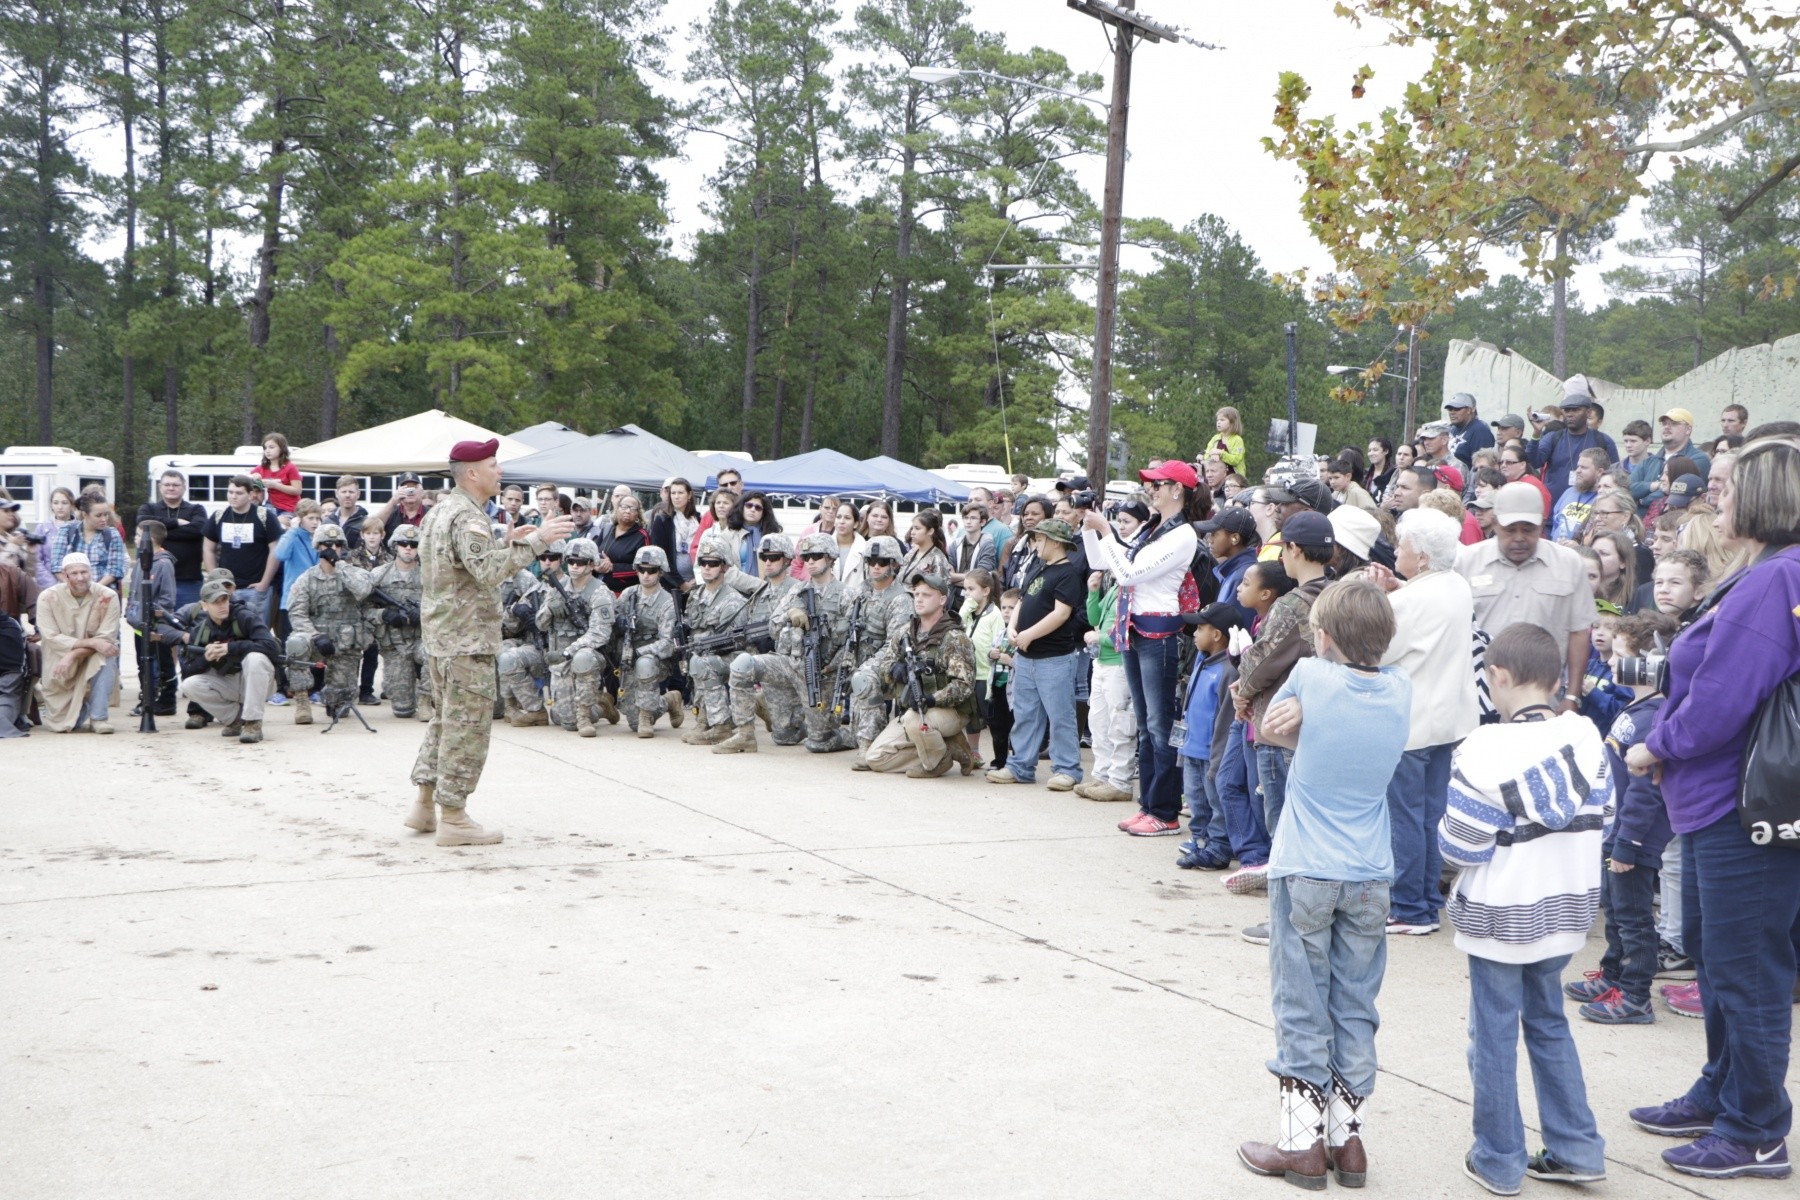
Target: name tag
(1482, 580)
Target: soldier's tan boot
(527, 718)
(455, 829)
(423, 814)
(425, 709)
(609, 709)
(762, 711)
(677, 709)
(646, 726)
(510, 709)
(741, 741)
(708, 735)
(302, 709)
(962, 754)
(585, 703)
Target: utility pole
(1128, 28)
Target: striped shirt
(1527, 806)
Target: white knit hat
(75, 558)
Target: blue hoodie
(1640, 827)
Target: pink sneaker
(1133, 819)
(1151, 827)
(1684, 1001)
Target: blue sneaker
(278, 699)
(1188, 847)
(1613, 1008)
(1678, 1118)
(1717, 1157)
(1589, 988)
(1200, 860)
(1547, 1167)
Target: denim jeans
(1739, 902)
(1668, 921)
(100, 691)
(1151, 666)
(1327, 954)
(1629, 902)
(1502, 996)
(1044, 694)
(1236, 790)
(1416, 796)
(1272, 763)
(1207, 819)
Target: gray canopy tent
(629, 455)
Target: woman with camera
(1741, 892)
(1150, 573)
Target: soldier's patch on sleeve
(478, 526)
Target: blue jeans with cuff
(1207, 817)
(1236, 790)
(1043, 693)
(1327, 955)
(1416, 799)
(1151, 669)
(1502, 997)
(1272, 763)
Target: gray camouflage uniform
(402, 649)
(885, 614)
(522, 664)
(328, 606)
(834, 598)
(577, 660)
(769, 600)
(647, 655)
(713, 610)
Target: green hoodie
(1102, 611)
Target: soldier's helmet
(560, 547)
(819, 543)
(718, 547)
(326, 535)
(650, 556)
(885, 548)
(581, 550)
(776, 543)
(405, 535)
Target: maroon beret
(474, 451)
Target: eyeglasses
(549, 558)
(773, 557)
(879, 562)
(753, 504)
(712, 562)
(649, 570)
(815, 557)
(397, 545)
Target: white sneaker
(1245, 880)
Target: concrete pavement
(230, 971)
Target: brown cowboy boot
(1299, 1154)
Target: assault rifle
(408, 610)
(734, 638)
(579, 609)
(148, 682)
(840, 691)
(626, 624)
(915, 666)
(812, 645)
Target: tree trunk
(809, 401)
(264, 295)
(165, 144)
(43, 296)
(328, 398)
(752, 330)
(899, 299)
(1559, 314)
(128, 267)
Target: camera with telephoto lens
(1644, 670)
(1085, 498)
(36, 539)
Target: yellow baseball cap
(1681, 415)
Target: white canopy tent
(420, 442)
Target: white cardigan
(1155, 575)
(1433, 617)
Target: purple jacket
(1721, 670)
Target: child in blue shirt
(1206, 722)
(1329, 872)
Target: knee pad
(646, 669)
(862, 685)
(585, 662)
(299, 645)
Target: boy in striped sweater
(1525, 819)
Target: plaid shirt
(106, 550)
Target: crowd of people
(1501, 674)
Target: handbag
(1769, 786)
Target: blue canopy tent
(817, 473)
(546, 434)
(628, 455)
(916, 483)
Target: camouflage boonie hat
(884, 547)
(405, 533)
(326, 534)
(580, 550)
(777, 543)
(219, 575)
(718, 547)
(819, 543)
(1055, 530)
(650, 556)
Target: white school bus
(209, 475)
(31, 473)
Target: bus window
(87, 481)
(20, 487)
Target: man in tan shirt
(1519, 575)
(79, 621)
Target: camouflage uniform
(823, 732)
(464, 566)
(397, 633)
(710, 610)
(647, 652)
(522, 663)
(326, 606)
(769, 600)
(577, 659)
(884, 614)
(932, 743)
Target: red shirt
(289, 474)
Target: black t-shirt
(244, 542)
(184, 540)
(1043, 587)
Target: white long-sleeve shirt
(1155, 575)
(1433, 621)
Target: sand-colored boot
(423, 814)
(511, 710)
(455, 829)
(677, 709)
(425, 709)
(646, 724)
(250, 733)
(527, 718)
(741, 741)
(302, 709)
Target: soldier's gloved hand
(897, 672)
(555, 657)
(928, 700)
(554, 602)
(392, 616)
(797, 618)
(523, 611)
(324, 645)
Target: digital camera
(1644, 670)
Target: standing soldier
(885, 608)
(819, 551)
(397, 628)
(646, 619)
(927, 736)
(522, 662)
(759, 663)
(713, 608)
(572, 607)
(325, 611)
(464, 566)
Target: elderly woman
(619, 544)
(1741, 889)
(1434, 612)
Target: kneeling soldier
(714, 609)
(325, 610)
(646, 622)
(396, 626)
(759, 663)
(930, 668)
(227, 661)
(574, 608)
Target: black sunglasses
(773, 557)
(712, 562)
(753, 504)
(816, 557)
(549, 558)
(649, 570)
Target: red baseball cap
(1447, 474)
(475, 451)
(1180, 472)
